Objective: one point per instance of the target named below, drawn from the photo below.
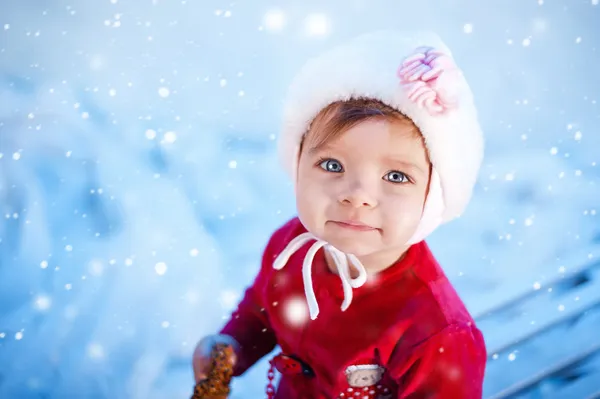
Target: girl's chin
(354, 247)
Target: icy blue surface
(139, 180)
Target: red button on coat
(290, 365)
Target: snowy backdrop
(139, 181)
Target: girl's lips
(353, 225)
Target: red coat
(408, 335)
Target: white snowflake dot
(296, 311)
(164, 92)
(95, 351)
(150, 134)
(160, 268)
(170, 137)
(43, 302)
(528, 222)
(317, 25)
(274, 20)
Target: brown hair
(340, 116)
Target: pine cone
(216, 385)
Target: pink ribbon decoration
(429, 77)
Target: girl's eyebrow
(403, 163)
(319, 148)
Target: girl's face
(363, 191)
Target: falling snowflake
(316, 25)
(229, 299)
(296, 311)
(164, 92)
(274, 20)
(150, 134)
(528, 221)
(96, 268)
(170, 137)
(42, 302)
(95, 351)
(160, 268)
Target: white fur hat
(413, 72)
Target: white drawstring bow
(341, 262)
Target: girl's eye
(331, 165)
(396, 177)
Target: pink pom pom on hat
(415, 73)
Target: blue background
(139, 182)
